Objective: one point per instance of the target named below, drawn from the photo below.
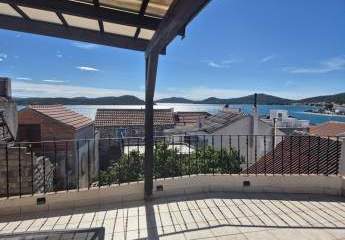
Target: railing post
(150, 82)
(342, 158)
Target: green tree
(170, 162)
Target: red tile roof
(220, 120)
(330, 128)
(133, 117)
(190, 118)
(62, 114)
(300, 155)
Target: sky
(292, 49)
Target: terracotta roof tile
(134, 117)
(300, 155)
(220, 120)
(190, 118)
(62, 114)
(330, 128)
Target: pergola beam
(179, 15)
(143, 7)
(90, 11)
(72, 33)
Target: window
(120, 132)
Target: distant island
(122, 100)
(263, 99)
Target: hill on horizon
(122, 100)
(263, 99)
(337, 98)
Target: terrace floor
(202, 216)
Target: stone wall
(17, 175)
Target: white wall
(310, 184)
(238, 132)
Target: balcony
(216, 187)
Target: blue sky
(291, 49)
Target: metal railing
(41, 167)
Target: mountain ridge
(263, 99)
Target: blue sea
(297, 111)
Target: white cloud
(267, 58)
(59, 55)
(222, 64)
(53, 81)
(23, 78)
(3, 56)
(30, 89)
(87, 69)
(216, 65)
(47, 89)
(330, 65)
(86, 46)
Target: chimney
(5, 88)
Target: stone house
(66, 138)
(117, 127)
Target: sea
(297, 111)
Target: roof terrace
(203, 193)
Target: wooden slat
(90, 11)
(72, 33)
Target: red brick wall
(50, 128)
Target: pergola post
(150, 82)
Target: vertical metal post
(88, 164)
(77, 178)
(66, 164)
(7, 173)
(150, 82)
(32, 170)
(19, 170)
(44, 167)
(55, 166)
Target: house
(230, 128)
(190, 118)
(300, 155)
(13, 154)
(120, 123)
(339, 109)
(63, 136)
(281, 120)
(328, 129)
(119, 127)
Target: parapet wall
(306, 184)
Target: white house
(340, 109)
(282, 120)
(243, 132)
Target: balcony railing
(41, 167)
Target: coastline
(323, 114)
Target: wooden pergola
(143, 25)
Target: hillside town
(172, 120)
(71, 149)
